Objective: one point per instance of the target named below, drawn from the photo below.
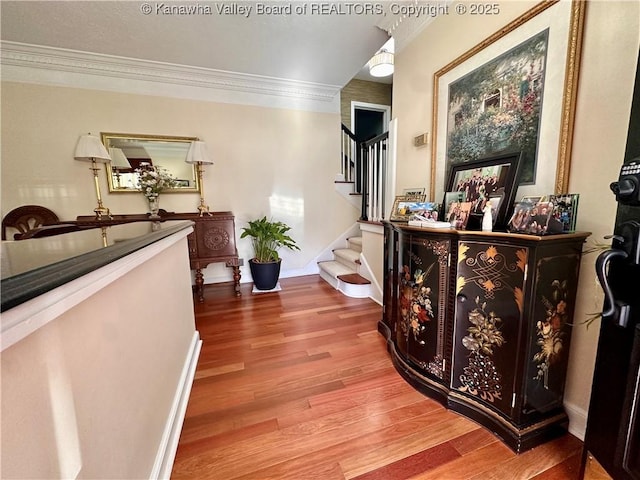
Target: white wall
(612, 39)
(268, 161)
(89, 394)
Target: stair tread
(355, 243)
(335, 268)
(354, 278)
(347, 254)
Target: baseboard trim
(577, 420)
(169, 444)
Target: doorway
(368, 120)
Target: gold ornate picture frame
(565, 23)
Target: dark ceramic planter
(265, 275)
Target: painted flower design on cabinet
(415, 302)
(481, 377)
(493, 276)
(550, 330)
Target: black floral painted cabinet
(482, 322)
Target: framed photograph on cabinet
(458, 215)
(406, 205)
(515, 90)
(479, 181)
(451, 197)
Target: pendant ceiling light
(381, 65)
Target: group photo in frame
(515, 90)
(490, 181)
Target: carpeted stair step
(335, 268)
(347, 256)
(355, 243)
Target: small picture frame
(496, 203)
(565, 213)
(413, 192)
(533, 199)
(534, 219)
(521, 217)
(451, 197)
(405, 206)
(458, 215)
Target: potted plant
(267, 237)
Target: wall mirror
(128, 151)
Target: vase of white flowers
(151, 181)
(154, 207)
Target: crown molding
(84, 65)
(406, 27)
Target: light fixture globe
(381, 64)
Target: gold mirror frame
(569, 96)
(167, 152)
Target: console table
(213, 240)
(481, 322)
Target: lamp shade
(91, 149)
(198, 153)
(381, 65)
(118, 158)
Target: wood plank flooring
(298, 384)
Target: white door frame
(386, 109)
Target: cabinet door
(488, 318)
(555, 287)
(422, 284)
(215, 237)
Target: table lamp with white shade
(199, 156)
(91, 149)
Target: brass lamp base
(204, 209)
(102, 211)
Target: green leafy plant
(267, 237)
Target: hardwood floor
(298, 384)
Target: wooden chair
(26, 218)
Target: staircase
(366, 178)
(343, 272)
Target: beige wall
(89, 394)
(604, 99)
(362, 91)
(268, 161)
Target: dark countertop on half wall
(35, 266)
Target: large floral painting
(514, 90)
(497, 107)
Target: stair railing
(350, 153)
(374, 155)
(365, 165)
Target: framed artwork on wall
(515, 90)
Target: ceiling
(326, 49)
